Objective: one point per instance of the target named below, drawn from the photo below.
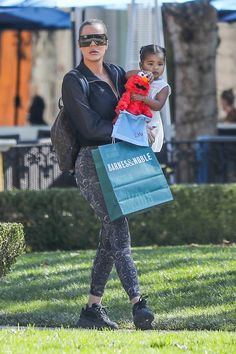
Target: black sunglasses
(98, 39)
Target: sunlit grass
(76, 341)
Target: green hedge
(11, 245)
(61, 219)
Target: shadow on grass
(68, 318)
(174, 250)
(36, 260)
(214, 292)
(224, 321)
(43, 288)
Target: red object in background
(15, 72)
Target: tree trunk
(192, 28)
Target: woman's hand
(151, 135)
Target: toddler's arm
(155, 104)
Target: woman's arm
(155, 104)
(86, 121)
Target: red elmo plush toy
(138, 84)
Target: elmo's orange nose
(145, 79)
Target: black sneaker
(95, 317)
(142, 315)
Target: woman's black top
(91, 115)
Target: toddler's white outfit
(155, 87)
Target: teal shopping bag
(131, 178)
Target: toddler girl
(152, 61)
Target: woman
(92, 117)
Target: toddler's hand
(137, 97)
(151, 135)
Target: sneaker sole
(84, 323)
(144, 323)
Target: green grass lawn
(190, 288)
(77, 341)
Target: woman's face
(94, 52)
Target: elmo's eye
(141, 74)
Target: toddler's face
(154, 63)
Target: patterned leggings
(114, 240)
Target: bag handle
(60, 103)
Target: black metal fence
(35, 167)
(201, 161)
